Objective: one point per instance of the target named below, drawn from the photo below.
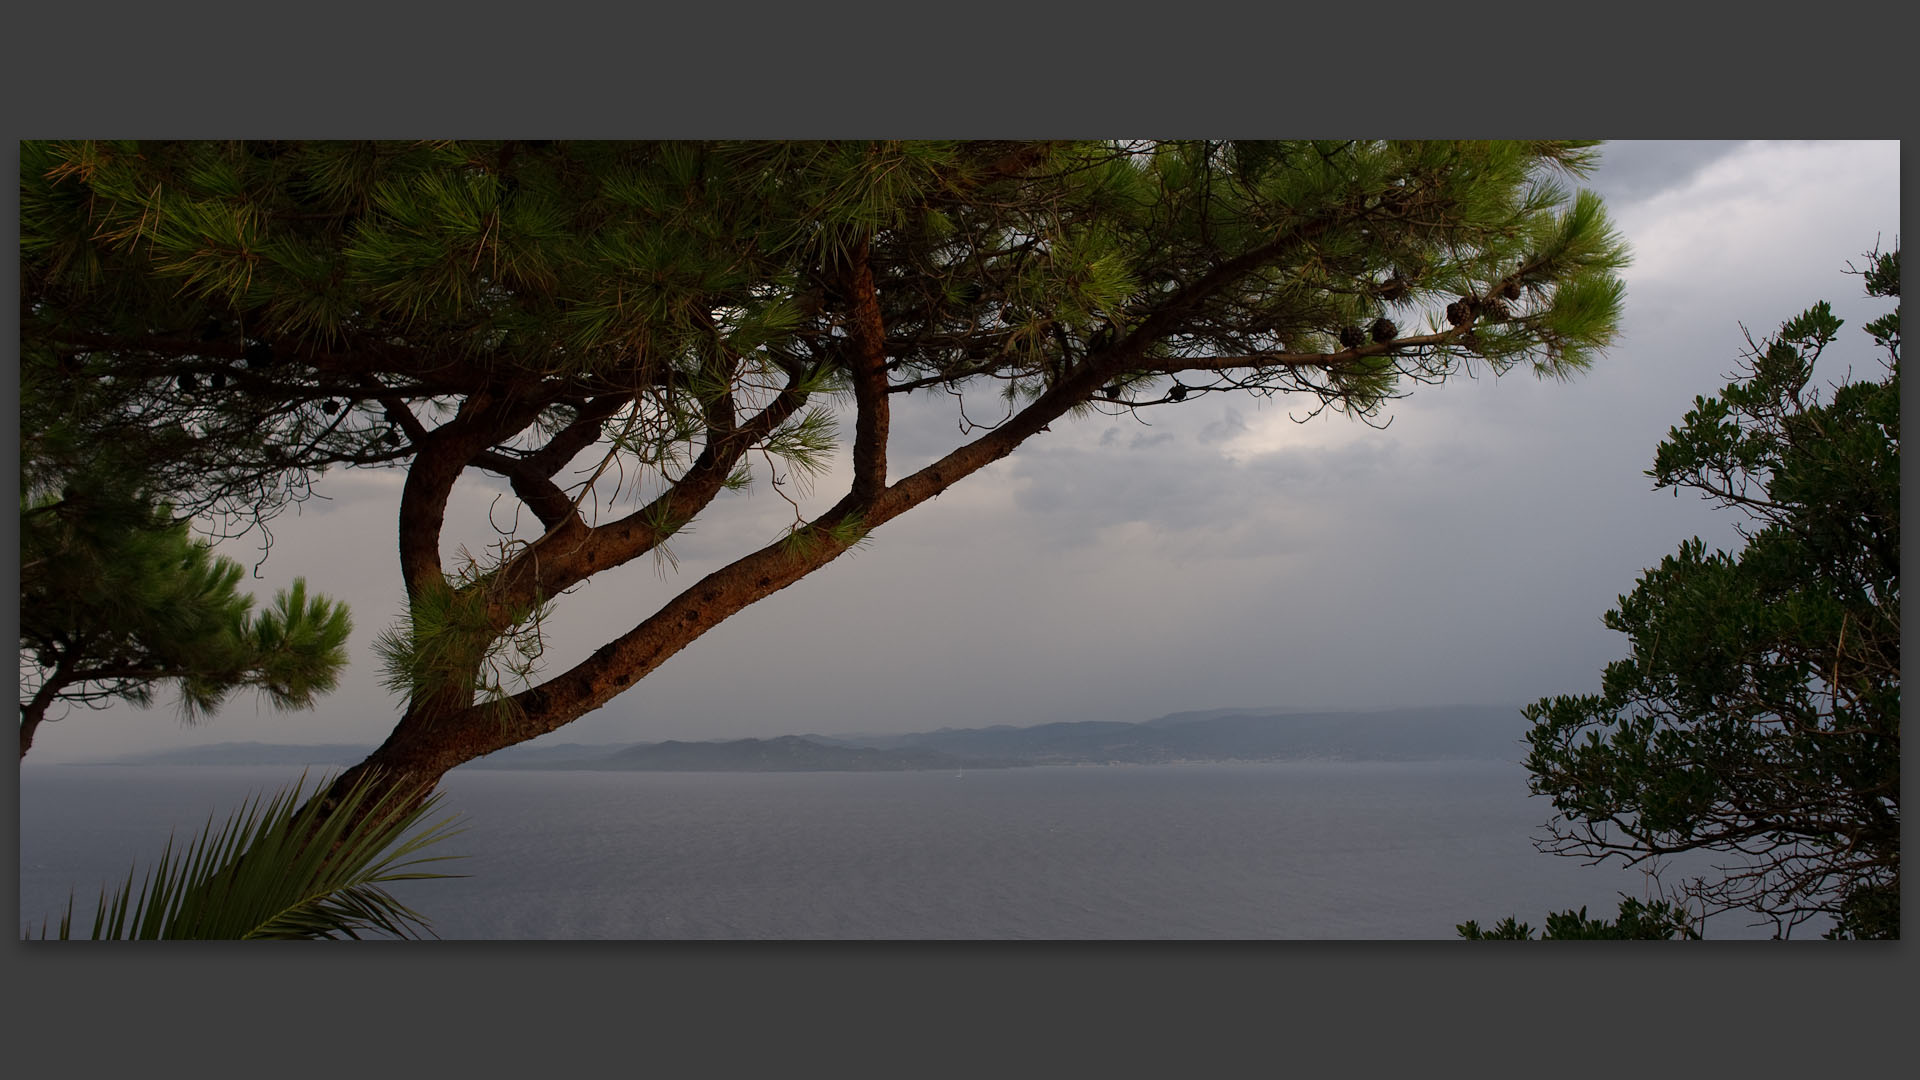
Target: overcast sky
(1207, 555)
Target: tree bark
(35, 709)
(30, 716)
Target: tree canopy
(623, 332)
(1638, 920)
(117, 597)
(1758, 714)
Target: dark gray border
(924, 1008)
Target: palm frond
(282, 868)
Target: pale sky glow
(1220, 555)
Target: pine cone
(188, 384)
(1457, 313)
(1384, 331)
(257, 354)
(1351, 337)
(1497, 310)
(1177, 393)
(1393, 290)
(1511, 290)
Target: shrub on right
(1758, 714)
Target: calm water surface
(1257, 851)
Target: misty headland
(1440, 733)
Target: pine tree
(686, 310)
(117, 598)
(1758, 715)
(1655, 920)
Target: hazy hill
(1449, 732)
(788, 753)
(556, 756)
(248, 753)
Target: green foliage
(1759, 712)
(804, 541)
(806, 445)
(1658, 920)
(461, 640)
(1868, 911)
(284, 870)
(117, 598)
(602, 257)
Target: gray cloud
(1230, 424)
(1633, 171)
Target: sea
(1257, 851)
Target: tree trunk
(35, 710)
(30, 716)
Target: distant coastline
(1487, 733)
